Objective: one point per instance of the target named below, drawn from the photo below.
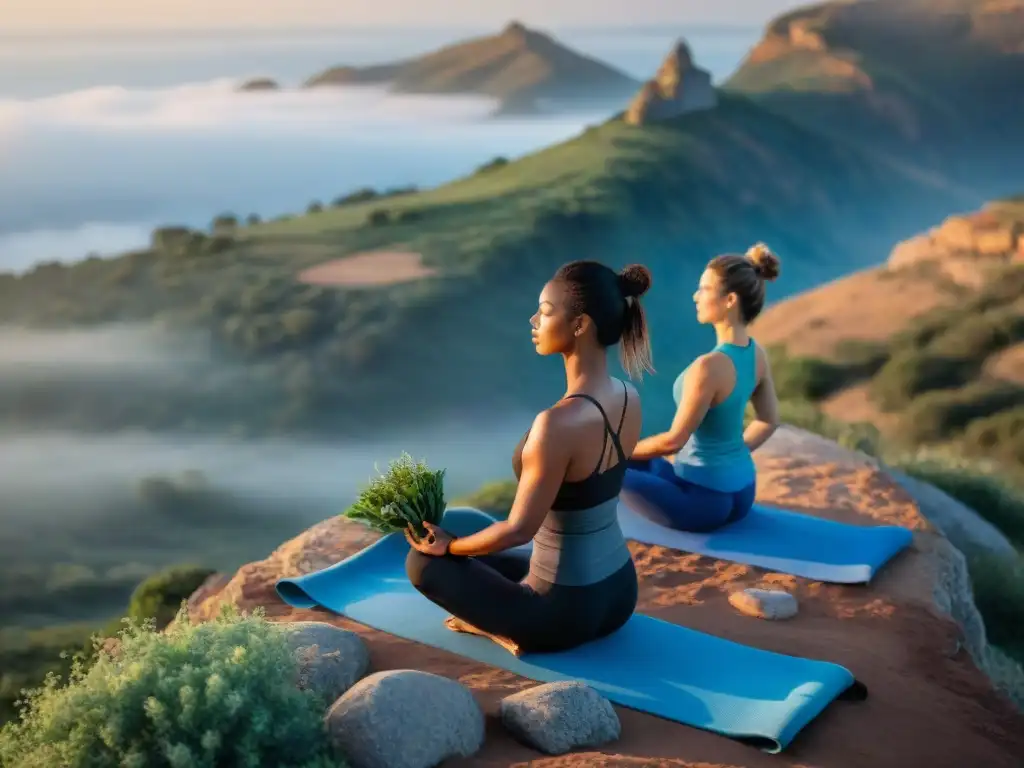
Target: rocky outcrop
(940, 695)
(964, 246)
(678, 87)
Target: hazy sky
(204, 13)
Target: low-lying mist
(88, 514)
(91, 169)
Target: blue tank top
(715, 456)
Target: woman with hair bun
(712, 480)
(579, 583)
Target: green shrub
(218, 243)
(315, 207)
(170, 238)
(494, 497)
(991, 494)
(942, 414)
(217, 694)
(806, 378)
(909, 374)
(359, 196)
(998, 585)
(378, 217)
(862, 358)
(225, 221)
(854, 436)
(160, 596)
(978, 336)
(999, 435)
(493, 164)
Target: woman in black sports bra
(578, 584)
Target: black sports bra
(598, 487)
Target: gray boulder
(331, 659)
(405, 719)
(558, 717)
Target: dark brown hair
(612, 301)
(746, 277)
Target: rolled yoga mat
(650, 665)
(780, 540)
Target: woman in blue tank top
(712, 480)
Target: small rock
(405, 719)
(764, 603)
(332, 659)
(558, 717)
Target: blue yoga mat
(650, 665)
(779, 540)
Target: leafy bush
(493, 164)
(998, 585)
(408, 494)
(854, 436)
(865, 358)
(999, 435)
(940, 415)
(160, 596)
(495, 497)
(909, 374)
(224, 222)
(378, 217)
(170, 238)
(217, 694)
(991, 494)
(806, 378)
(980, 335)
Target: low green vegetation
(932, 374)
(222, 693)
(27, 656)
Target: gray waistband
(580, 547)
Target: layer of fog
(85, 516)
(96, 170)
(46, 462)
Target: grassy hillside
(943, 366)
(337, 360)
(521, 67)
(934, 80)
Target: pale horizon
(70, 15)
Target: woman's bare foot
(456, 624)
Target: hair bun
(634, 280)
(766, 264)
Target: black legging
(488, 592)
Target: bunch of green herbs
(409, 493)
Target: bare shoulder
(710, 365)
(631, 391)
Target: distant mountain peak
(678, 87)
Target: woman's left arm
(698, 393)
(766, 408)
(545, 461)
